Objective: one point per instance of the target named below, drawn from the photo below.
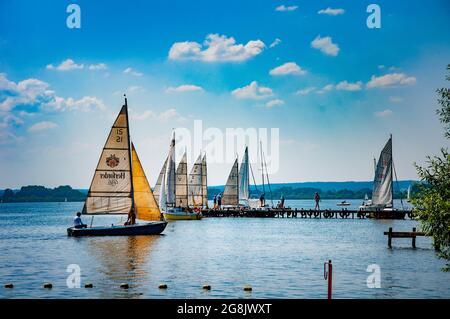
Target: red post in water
(328, 274)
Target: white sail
(204, 182)
(111, 187)
(157, 189)
(382, 184)
(195, 197)
(244, 177)
(162, 196)
(408, 196)
(181, 192)
(231, 191)
(170, 174)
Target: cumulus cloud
(253, 92)
(216, 48)
(275, 43)
(284, 8)
(325, 89)
(325, 45)
(67, 65)
(287, 68)
(347, 86)
(184, 88)
(331, 12)
(171, 115)
(306, 90)
(390, 80)
(395, 99)
(142, 116)
(42, 126)
(98, 66)
(275, 102)
(384, 113)
(131, 71)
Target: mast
(262, 167)
(129, 156)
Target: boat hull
(151, 228)
(387, 214)
(182, 216)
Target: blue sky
(333, 87)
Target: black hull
(151, 228)
(387, 215)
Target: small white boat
(343, 203)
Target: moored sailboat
(175, 189)
(382, 204)
(120, 187)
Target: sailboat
(120, 187)
(230, 195)
(408, 196)
(382, 204)
(175, 189)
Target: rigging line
(398, 186)
(268, 182)
(253, 176)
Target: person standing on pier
(317, 199)
(282, 201)
(215, 202)
(262, 200)
(219, 201)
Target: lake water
(279, 258)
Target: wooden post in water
(390, 238)
(413, 241)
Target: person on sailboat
(317, 199)
(77, 223)
(131, 218)
(215, 201)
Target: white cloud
(97, 67)
(275, 102)
(381, 67)
(42, 126)
(171, 115)
(143, 116)
(331, 12)
(67, 65)
(390, 80)
(284, 8)
(252, 91)
(346, 86)
(184, 88)
(85, 104)
(216, 48)
(131, 71)
(325, 89)
(287, 68)
(384, 113)
(275, 43)
(325, 45)
(305, 91)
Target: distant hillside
(306, 190)
(42, 194)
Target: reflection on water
(279, 257)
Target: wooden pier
(297, 213)
(391, 234)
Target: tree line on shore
(67, 193)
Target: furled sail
(231, 192)
(195, 183)
(170, 175)
(204, 182)
(162, 202)
(244, 178)
(181, 192)
(157, 189)
(111, 187)
(382, 184)
(145, 204)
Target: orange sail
(145, 204)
